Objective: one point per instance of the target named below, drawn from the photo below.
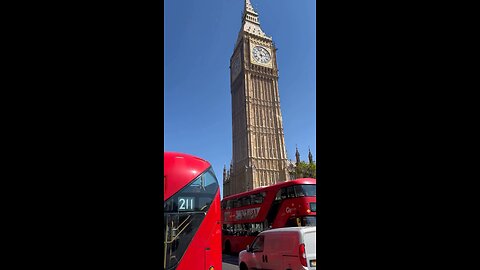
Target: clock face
(261, 55)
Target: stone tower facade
(259, 155)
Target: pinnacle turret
(297, 155)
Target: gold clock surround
(269, 64)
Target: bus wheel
(243, 266)
(228, 248)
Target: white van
(292, 248)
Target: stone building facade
(259, 155)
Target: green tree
(306, 170)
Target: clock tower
(258, 156)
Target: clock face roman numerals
(261, 55)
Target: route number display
(185, 204)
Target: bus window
(310, 190)
(255, 228)
(237, 228)
(297, 222)
(257, 198)
(309, 221)
(229, 229)
(246, 200)
(299, 191)
(291, 192)
(253, 198)
(313, 206)
(278, 197)
(240, 229)
(229, 204)
(236, 203)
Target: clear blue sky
(198, 43)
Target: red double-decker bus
(191, 214)
(287, 204)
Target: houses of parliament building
(259, 155)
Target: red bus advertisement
(287, 204)
(191, 214)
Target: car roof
(291, 229)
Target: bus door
(272, 213)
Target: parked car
(292, 248)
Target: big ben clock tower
(258, 155)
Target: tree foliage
(306, 170)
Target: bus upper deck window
(291, 192)
(236, 203)
(278, 197)
(299, 191)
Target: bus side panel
(212, 256)
(240, 243)
(207, 241)
(237, 243)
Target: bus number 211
(185, 204)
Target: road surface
(229, 262)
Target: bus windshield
(302, 221)
(183, 214)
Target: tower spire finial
(249, 7)
(250, 23)
(249, 14)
